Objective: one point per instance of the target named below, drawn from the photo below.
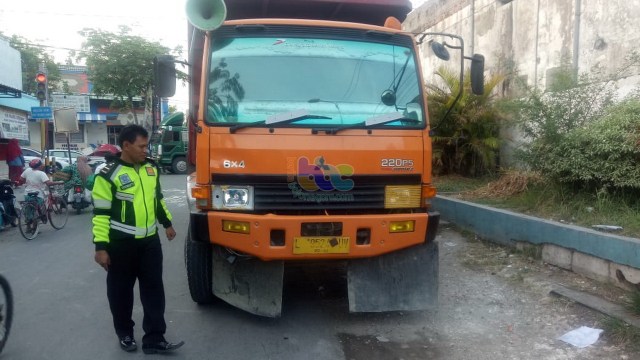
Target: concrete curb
(591, 253)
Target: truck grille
(275, 193)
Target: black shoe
(160, 347)
(128, 343)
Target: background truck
(169, 144)
(310, 136)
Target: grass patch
(634, 302)
(621, 333)
(527, 194)
(455, 184)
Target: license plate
(321, 245)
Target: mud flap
(403, 280)
(252, 285)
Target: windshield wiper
(280, 118)
(372, 121)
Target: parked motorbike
(8, 212)
(77, 198)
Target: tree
(120, 64)
(172, 109)
(32, 56)
(467, 142)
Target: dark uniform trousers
(139, 259)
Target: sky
(56, 23)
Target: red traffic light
(41, 87)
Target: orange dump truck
(310, 140)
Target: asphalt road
(61, 310)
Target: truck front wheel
(179, 165)
(198, 257)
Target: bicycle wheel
(6, 311)
(28, 221)
(57, 213)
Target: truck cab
(310, 136)
(170, 143)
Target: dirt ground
(494, 304)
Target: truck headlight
(159, 150)
(227, 197)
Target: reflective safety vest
(128, 204)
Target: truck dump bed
(373, 12)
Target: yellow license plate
(321, 245)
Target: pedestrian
(128, 205)
(15, 161)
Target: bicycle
(32, 213)
(6, 311)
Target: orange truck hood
(258, 152)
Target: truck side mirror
(164, 72)
(477, 74)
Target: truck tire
(179, 165)
(197, 257)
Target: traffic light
(41, 87)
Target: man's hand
(102, 258)
(171, 233)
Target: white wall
(534, 37)
(10, 66)
(96, 133)
(34, 135)
(521, 29)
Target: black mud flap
(250, 284)
(404, 280)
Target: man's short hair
(130, 133)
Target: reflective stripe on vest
(132, 230)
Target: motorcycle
(77, 198)
(8, 212)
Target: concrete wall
(591, 253)
(521, 31)
(534, 37)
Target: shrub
(601, 154)
(467, 142)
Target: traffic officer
(128, 205)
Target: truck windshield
(346, 81)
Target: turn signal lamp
(202, 196)
(428, 193)
(401, 226)
(236, 226)
(401, 196)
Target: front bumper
(207, 227)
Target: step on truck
(309, 132)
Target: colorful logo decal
(321, 176)
(306, 178)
